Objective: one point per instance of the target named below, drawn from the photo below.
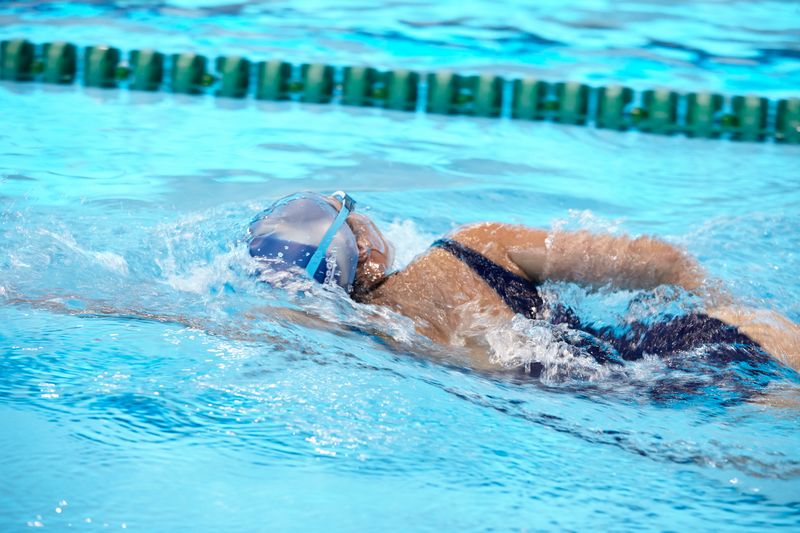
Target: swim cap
(305, 231)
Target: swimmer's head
(308, 232)
(280, 235)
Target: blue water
(147, 382)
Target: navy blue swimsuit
(517, 292)
(679, 334)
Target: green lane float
(787, 123)
(147, 70)
(100, 66)
(17, 60)
(749, 118)
(234, 76)
(528, 99)
(189, 74)
(571, 105)
(701, 115)
(455, 94)
(317, 84)
(659, 112)
(705, 115)
(612, 105)
(445, 96)
(369, 87)
(59, 62)
(487, 90)
(361, 87)
(273, 80)
(401, 89)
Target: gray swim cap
(305, 231)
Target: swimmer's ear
(532, 261)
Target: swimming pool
(147, 382)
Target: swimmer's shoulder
(435, 262)
(496, 238)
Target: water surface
(147, 382)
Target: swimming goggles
(348, 206)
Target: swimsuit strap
(517, 292)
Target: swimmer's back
(438, 289)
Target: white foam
(108, 260)
(585, 219)
(16, 262)
(408, 240)
(111, 261)
(200, 277)
(523, 342)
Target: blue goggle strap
(348, 205)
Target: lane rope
(706, 115)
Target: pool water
(148, 382)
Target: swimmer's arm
(598, 260)
(776, 334)
(93, 309)
(645, 263)
(375, 253)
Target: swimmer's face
(375, 253)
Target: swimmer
(486, 273)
